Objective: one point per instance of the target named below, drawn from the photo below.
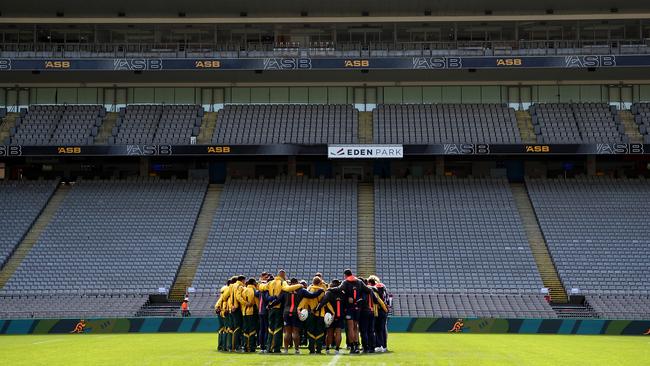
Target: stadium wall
(395, 324)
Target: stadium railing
(49, 314)
(325, 49)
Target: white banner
(365, 151)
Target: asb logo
(432, 63)
(148, 150)
(207, 64)
(137, 64)
(287, 63)
(509, 62)
(357, 63)
(619, 149)
(589, 61)
(538, 148)
(68, 150)
(57, 64)
(5, 64)
(11, 150)
(466, 149)
(218, 149)
(365, 151)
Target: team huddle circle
(275, 315)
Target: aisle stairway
(8, 123)
(525, 125)
(365, 128)
(207, 128)
(631, 128)
(366, 260)
(537, 243)
(106, 129)
(33, 234)
(159, 307)
(197, 243)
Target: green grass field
(406, 349)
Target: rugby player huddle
(273, 312)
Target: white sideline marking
(49, 341)
(335, 360)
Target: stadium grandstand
(484, 161)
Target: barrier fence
(395, 324)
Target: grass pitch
(406, 349)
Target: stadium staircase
(365, 128)
(207, 128)
(525, 125)
(366, 260)
(33, 234)
(8, 123)
(631, 128)
(545, 265)
(159, 306)
(194, 250)
(106, 129)
(573, 311)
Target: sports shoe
(336, 352)
(297, 351)
(327, 351)
(378, 349)
(285, 351)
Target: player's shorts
(337, 324)
(352, 314)
(292, 321)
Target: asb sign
(365, 151)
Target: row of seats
(286, 124)
(303, 226)
(58, 125)
(445, 123)
(157, 124)
(577, 123)
(621, 306)
(125, 236)
(70, 306)
(472, 305)
(448, 234)
(320, 124)
(445, 246)
(20, 204)
(597, 231)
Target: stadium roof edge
(355, 19)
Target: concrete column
(591, 165)
(144, 167)
(440, 166)
(291, 166)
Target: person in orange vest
(185, 308)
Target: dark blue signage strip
(319, 150)
(379, 63)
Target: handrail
(322, 48)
